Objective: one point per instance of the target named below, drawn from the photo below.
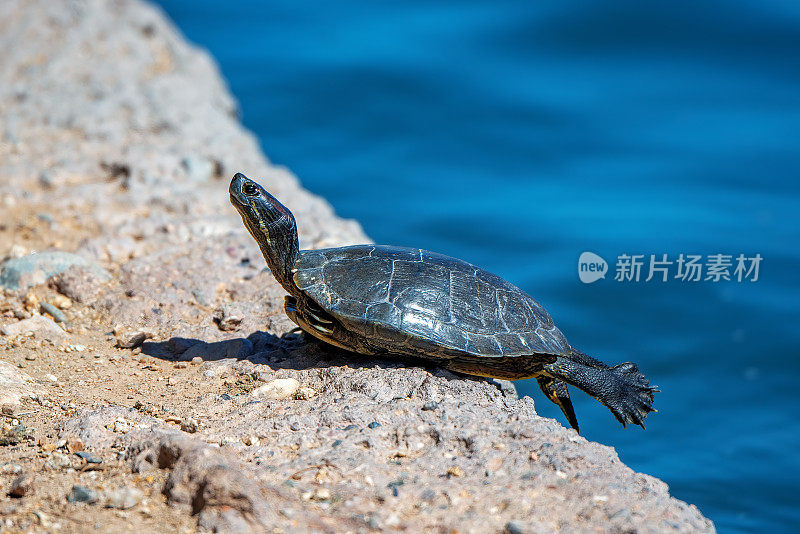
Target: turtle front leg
(290, 307)
(314, 321)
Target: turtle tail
(621, 388)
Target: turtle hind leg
(556, 391)
(622, 388)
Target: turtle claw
(632, 399)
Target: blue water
(517, 135)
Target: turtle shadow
(289, 351)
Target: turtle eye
(250, 190)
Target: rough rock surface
(35, 269)
(37, 326)
(15, 385)
(178, 398)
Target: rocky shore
(149, 380)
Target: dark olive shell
(397, 296)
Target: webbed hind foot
(637, 402)
(622, 389)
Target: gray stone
(81, 284)
(82, 494)
(58, 315)
(211, 481)
(41, 327)
(88, 457)
(128, 339)
(35, 269)
(57, 461)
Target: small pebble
(394, 485)
(128, 339)
(31, 302)
(225, 397)
(88, 457)
(57, 315)
(305, 393)
(374, 424)
(123, 498)
(121, 425)
(61, 302)
(430, 405)
(189, 426)
(514, 527)
(251, 441)
(56, 461)
(228, 318)
(455, 471)
(278, 389)
(82, 494)
(321, 494)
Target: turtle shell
(410, 300)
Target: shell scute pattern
(427, 301)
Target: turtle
(411, 304)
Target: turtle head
(271, 224)
(255, 205)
